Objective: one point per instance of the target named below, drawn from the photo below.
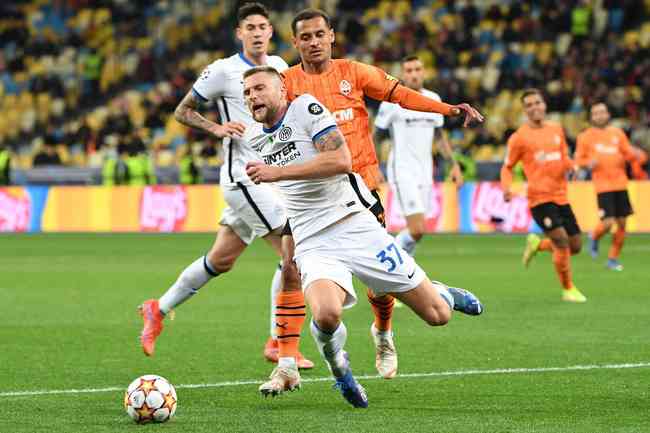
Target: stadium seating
(72, 69)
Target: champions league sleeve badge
(314, 108)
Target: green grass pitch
(68, 321)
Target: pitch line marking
(327, 379)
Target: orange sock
(599, 231)
(382, 306)
(289, 317)
(617, 243)
(545, 245)
(561, 260)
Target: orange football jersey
(608, 149)
(341, 89)
(544, 155)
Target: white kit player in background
(410, 162)
(304, 154)
(253, 210)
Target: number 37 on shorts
(390, 256)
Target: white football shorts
(412, 196)
(252, 211)
(357, 245)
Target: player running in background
(541, 147)
(305, 155)
(604, 149)
(410, 162)
(253, 210)
(341, 86)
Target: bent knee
(417, 235)
(438, 316)
(327, 319)
(221, 264)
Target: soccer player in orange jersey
(605, 149)
(541, 147)
(341, 85)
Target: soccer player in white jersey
(305, 155)
(253, 210)
(410, 162)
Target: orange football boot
(153, 325)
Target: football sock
(448, 297)
(276, 286)
(545, 245)
(382, 306)
(599, 231)
(561, 260)
(188, 283)
(406, 241)
(289, 317)
(330, 345)
(617, 244)
(287, 362)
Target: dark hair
(308, 14)
(410, 58)
(593, 104)
(264, 68)
(531, 91)
(251, 8)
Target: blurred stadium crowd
(82, 81)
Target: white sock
(330, 346)
(406, 241)
(442, 290)
(188, 283)
(276, 286)
(287, 362)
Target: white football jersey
(222, 83)
(412, 133)
(312, 204)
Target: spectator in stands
(140, 169)
(92, 69)
(581, 22)
(48, 155)
(188, 171)
(5, 165)
(115, 170)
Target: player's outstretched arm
(412, 100)
(333, 158)
(379, 85)
(187, 114)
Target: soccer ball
(150, 398)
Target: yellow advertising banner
(133, 209)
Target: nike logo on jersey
(411, 274)
(282, 325)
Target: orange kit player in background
(541, 147)
(341, 85)
(605, 149)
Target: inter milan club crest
(284, 134)
(345, 87)
(314, 108)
